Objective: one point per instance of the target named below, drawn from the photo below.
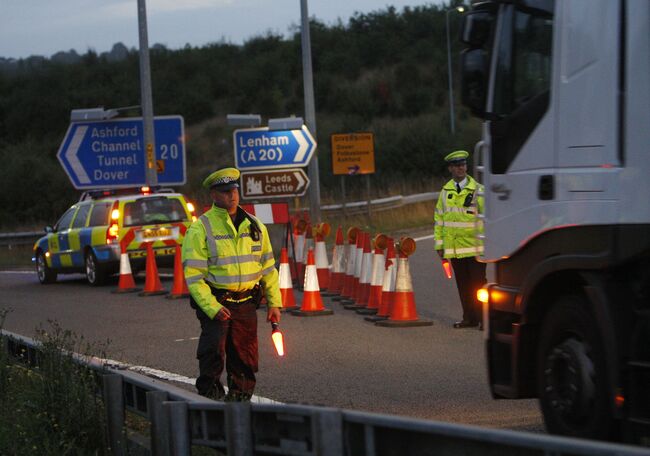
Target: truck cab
(563, 88)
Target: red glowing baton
(276, 336)
(446, 265)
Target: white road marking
(423, 238)
(18, 272)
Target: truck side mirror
(476, 29)
(474, 66)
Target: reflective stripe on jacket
(217, 255)
(456, 225)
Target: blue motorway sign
(261, 148)
(112, 153)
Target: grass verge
(51, 408)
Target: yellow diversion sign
(353, 153)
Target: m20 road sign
(261, 148)
(111, 153)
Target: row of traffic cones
(371, 283)
(152, 284)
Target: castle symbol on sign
(253, 186)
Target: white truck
(563, 87)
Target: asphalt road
(433, 372)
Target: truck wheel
(94, 272)
(43, 271)
(571, 373)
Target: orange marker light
(446, 265)
(276, 336)
(482, 295)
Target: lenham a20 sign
(261, 148)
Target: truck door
(518, 158)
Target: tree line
(383, 72)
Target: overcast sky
(43, 27)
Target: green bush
(51, 408)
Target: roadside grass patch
(52, 407)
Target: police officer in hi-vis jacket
(455, 233)
(228, 261)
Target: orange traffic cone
(312, 303)
(179, 289)
(152, 285)
(347, 289)
(388, 284)
(365, 276)
(354, 282)
(403, 312)
(126, 283)
(377, 276)
(321, 231)
(286, 288)
(338, 264)
(299, 251)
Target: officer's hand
(223, 314)
(273, 314)
(440, 253)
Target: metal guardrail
(357, 207)
(180, 420)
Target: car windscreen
(149, 211)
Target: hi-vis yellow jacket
(456, 223)
(217, 255)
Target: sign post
(281, 183)
(112, 153)
(261, 148)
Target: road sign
(353, 153)
(112, 153)
(261, 148)
(281, 183)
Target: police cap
(457, 157)
(222, 180)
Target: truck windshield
(148, 211)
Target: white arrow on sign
(303, 145)
(71, 155)
(300, 180)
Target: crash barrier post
(403, 312)
(126, 284)
(337, 275)
(286, 286)
(152, 284)
(312, 303)
(193, 420)
(179, 288)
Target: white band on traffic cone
(125, 265)
(403, 280)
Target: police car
(90, 236)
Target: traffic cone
(286, 288)
(300, 251)
(309, 245)
(351, 253)
(126, 283)
(291, 242)
(388, 284)
(358, 261)
(179, 289)
(321, 231)
(403, 312)
(365, 276)
(312, 303)
(338, 264)
(152, 285)
(377, 276)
